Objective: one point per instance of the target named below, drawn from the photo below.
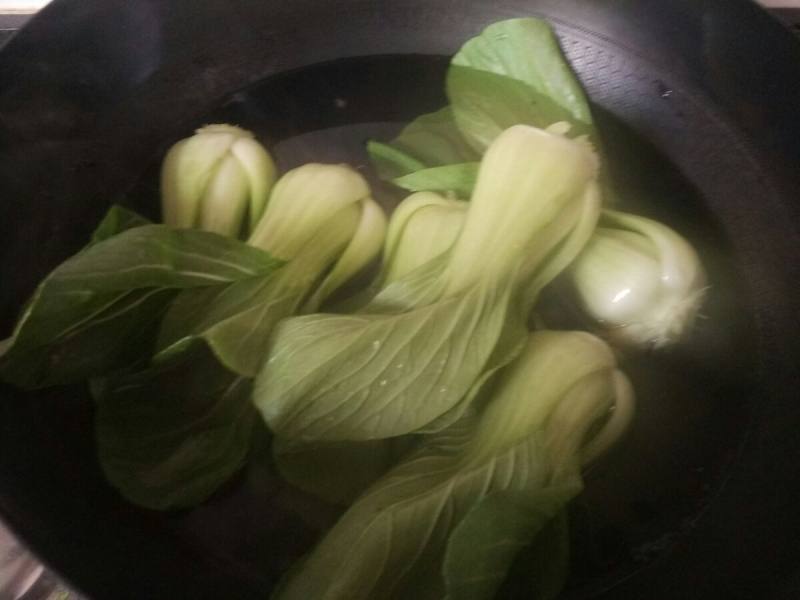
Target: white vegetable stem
(640, 279)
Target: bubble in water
(662, 89)
(383, 382)
(376, 344)
(442, 390)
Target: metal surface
(699, 96)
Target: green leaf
(411, 355)
(458, 178)
(117, 219)
(391, 162)
(430, 140)
(157, 256)
(337, 473)
(392, 541)
(509, 346)
(97, 311)
(512, 73)
(483, 546)
(448, 521)
(486, 104)
(376, 374)
(235, 320)
(435, 139)
(526, 77)
(169, 436)
(542, 567)
(67, 337)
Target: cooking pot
(698, 104)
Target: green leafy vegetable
(371, 376)
(453, 435)
(302, 204)
(639, 279)
(391, 162)
(365, 244)
(413, 533)
(486, 104)
(533, 187)
(236, 319)
(541, 568)
(337, 473)
(319, 216)
(117, 220)
(411, 355)
(169, 436)
(217, 180)
(96, 311)
(458, 178)
(423, 227)
(493, 533)
(435, 139)
(514, 73)
(431, 140)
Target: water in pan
(693, 408)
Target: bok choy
(99, 310)
(422, 228)
(639, 279)
(408, 535)
(217, 180)
(168, 435)
(410, 356)
(322, 222)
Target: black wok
(698, 101)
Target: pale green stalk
(217, 180)
(527, 178)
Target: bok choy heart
(410, 355)
(411, 534)
(320, 220)
(640, 280)
(217, 180)
(96, 312)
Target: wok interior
(672, 157)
